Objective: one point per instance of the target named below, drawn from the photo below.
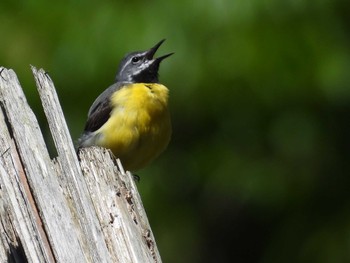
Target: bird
(131, 117)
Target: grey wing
(101, 109)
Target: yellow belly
(139, 127)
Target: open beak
(153, 50)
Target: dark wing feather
(101, 109)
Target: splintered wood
(70, 209)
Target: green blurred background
(258, 166)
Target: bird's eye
(135, 59)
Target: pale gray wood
(40, 172)
(130, 240)
(18, 220)
(62, 210)
(72, 177)
(128, 235)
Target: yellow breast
(139, 127)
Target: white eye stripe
(124, 66)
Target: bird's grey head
(141, 66)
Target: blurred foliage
(258, 167)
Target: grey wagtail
(131, 117)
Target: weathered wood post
(66, 209)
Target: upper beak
(153, 50)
